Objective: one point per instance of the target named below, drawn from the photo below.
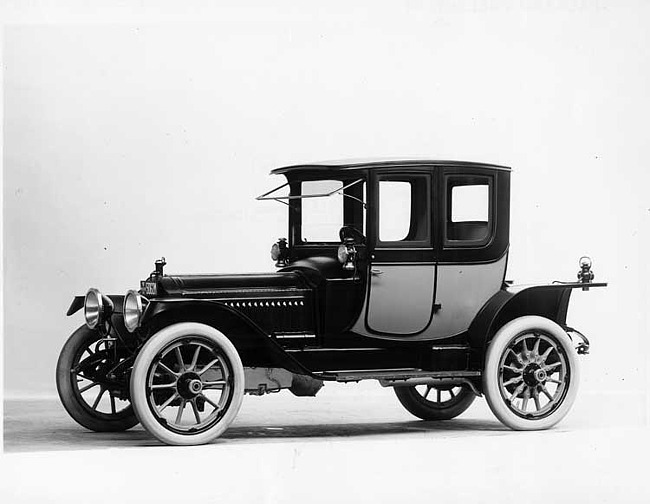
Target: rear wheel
(85, 381)
(439, 402)
(187, 384)
(531, 373)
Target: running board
(407, 377)
(390, 375)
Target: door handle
(375, 271)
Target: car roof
(362, 164)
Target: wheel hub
(189, 385)
(540, 375)
(534, 375)
(195, 386)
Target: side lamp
(347, 254)
(280, 253)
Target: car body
(393, 270)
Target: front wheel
(531, 373)
(187, 384)
(87, 386)
(435, 402)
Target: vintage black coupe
(392, 271)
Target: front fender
(549, 300)
(256, 348)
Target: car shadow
(45, 427)
(359, 429)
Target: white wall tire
(531, 373)
(187, 384)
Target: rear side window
(468, 213)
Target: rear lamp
(585, 275)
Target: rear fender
(255, 347)
(549, 301)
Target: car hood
(224, 285)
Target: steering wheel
(352, 232)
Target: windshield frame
(267, 195)
(353, 190)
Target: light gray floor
(351, 443)
(338, 411)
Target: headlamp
(97, 308)
(133, 309)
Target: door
(473, 259)
(403, 271)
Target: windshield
(324, 207)
(322, 217)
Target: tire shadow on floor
(71, 437)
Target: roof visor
(277, 193)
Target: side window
(468, 221)
(404, 210)
(394, 210)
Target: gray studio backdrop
(124, 143)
